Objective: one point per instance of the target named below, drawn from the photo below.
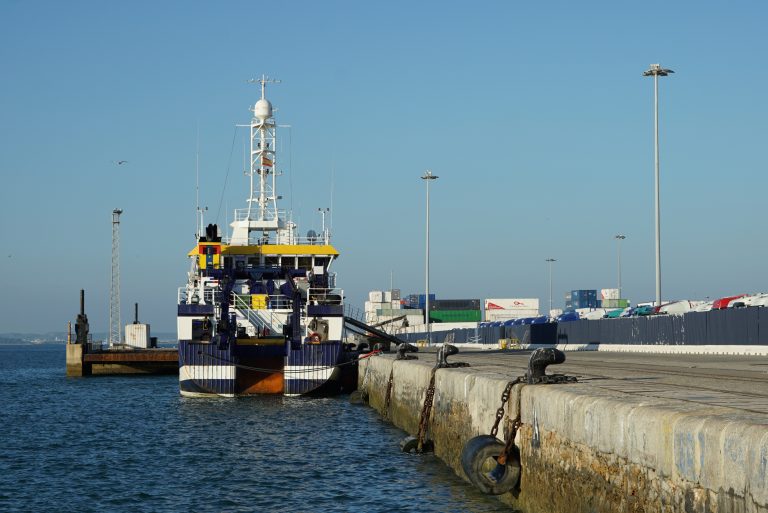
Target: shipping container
(372, 306)
(137, 335)
(395, 294)
(587, 303)
(615, 303)
(394, 312)
(376, 296)
(586, 298)
(513, 304)
(421, 301)
(455, 315)
(454, 304)
(609, 294)
(583, 294)
(386, 296)
(503, 315)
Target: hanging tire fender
(478, 460)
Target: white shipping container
(415, 320)
(387, 296)
(396, 304)
(512, 304)
(376, 296)
(609, 294)
(137, 335)
(505, 315)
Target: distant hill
(61, 338)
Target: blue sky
(535, 116)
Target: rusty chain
(508, 447)
(425, 411)
(504, 399)
(388, 396)
(510, 439)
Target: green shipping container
(455, 315)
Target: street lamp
(657, 71)
(428, 177)
(550, 260)
(619, 238)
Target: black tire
(410, 444)
(478, 459)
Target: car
(644, 310)
(760, 299)
(723, 302)
(568, 317)
(676, 307)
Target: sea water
(132, 443)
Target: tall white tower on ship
(261, 214)
(114, 295)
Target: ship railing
(355, 312)
(291, 240)
(325, 296)
(261, 310)
(210, 297)
(245, 214)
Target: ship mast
(261, 213)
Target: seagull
(119, 162)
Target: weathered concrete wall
(585, 449)
(75, 366)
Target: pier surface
(638, 432)
(738, 382)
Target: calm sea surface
(133, 444)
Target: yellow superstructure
(268, 249)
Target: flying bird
(119, 162)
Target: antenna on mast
(264, 80)
(261, 214)
(198, 222)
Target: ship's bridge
(308, 254)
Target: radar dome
(263, 109)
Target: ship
(260, 312)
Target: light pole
(550, 261)
(619, 238)
(428, 177)
(657, 71)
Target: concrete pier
(637, 433)
(84, 362)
